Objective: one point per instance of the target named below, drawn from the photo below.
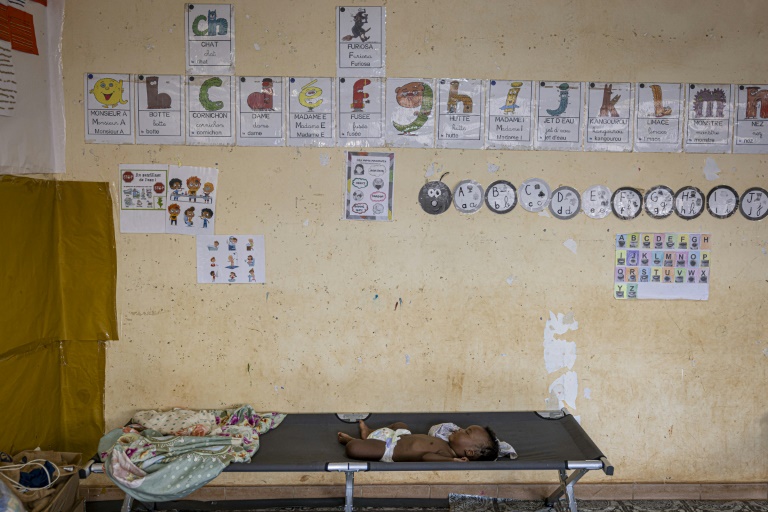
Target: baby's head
(475, 443)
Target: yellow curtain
(57, 308)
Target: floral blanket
(165, 456)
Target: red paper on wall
(5, 25)
(22, 31)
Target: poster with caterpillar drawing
(231, 259)
(410, 104)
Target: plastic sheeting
(58, 276)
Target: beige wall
(676, 390)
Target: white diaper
(390, 437)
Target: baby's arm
(438, 457)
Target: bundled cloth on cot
(164, 456)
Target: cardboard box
(80, 506)
(62, 496)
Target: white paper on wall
(210, 36)
(751, 124)
(260, 113)
(109, 108)
(361, 112)
(510, 114)
(143, 195)
(160, 110)
(370, 180)
(659, 115)
(460, 113)
(709, 121)
(609, 116)
(560, 116)
(311, 112)
(191, 200)
(210, 110)
(410, 108)
(360, 41)
(231, 259)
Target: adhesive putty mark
(306, 222)
(565, 389)
(588, 393)
(571, 245)
(432, 169)
(492, 168)
(510, 280)
(711, 170)
(407, 359)
(256, 46)
(325, 159)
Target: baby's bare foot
(344, 438)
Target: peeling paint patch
(765, 352)
(571, 245)
(492, 168)
(256, 46)
(564, 390)
(711, 170)
(306, 222)
(325, 159)
(432, 169)
(588, 393)
(407, 359)
(544, 213)
(510, 280)
(559, 354)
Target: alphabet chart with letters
(662, 266)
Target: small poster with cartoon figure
(108, 109)
(662, 266)
(260, 114)
(310, 112)
(210, 34)
(210, 110)
(709, 125)
(370, 184)
(751, 131)
(231, 259)
(360, 41)
(510, 114)
(361, 112)
(410, 104)
(460, 113)
(659, 111)
(560, 116)
(610, 108)
(142, 197)
(160, 109)
(191, 200)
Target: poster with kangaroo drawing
(659, 117)
(609, 116)
(160, 112)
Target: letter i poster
(662, 266)
(370, 184)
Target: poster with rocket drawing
(108, 109)
(410, 121)
(659, 117)
(560, 116)
(370, 185)
(160, 111)
(751, 130)
(143, 192)
(191, 200)
(210, 34)
(460, 112)
(260, 114)
(510, 114)
(210, 110)
(709, 123)
(609, 116)
(310, 112)
(231, 259)
(360, 41)
(361, 112)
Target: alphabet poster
(360, 41)
(510, 114)
(609, 116)
(361, 112)
(659, 112)
(410, 119)
(210, 36)
(560, 112)
(751, 130)
(709, 124)
(310, 112)
(662, 266)
(370, 185)
(143, 195)
(160, 112)
(231, 259)
(108, 109)
(460, 113)
(191, 201)
(260, 117)
(210, 110)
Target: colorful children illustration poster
(609, 116)
(361, 112)
(231, 259)
(410, 108)
(751, 130)
(210, 110)
(509, 119)
(460, 113)
(160, 109)
(360, 41)
(108, 109)
(709, 123)
(191, 201)
(659, 117)
(560, 113)
(662, 266)
(370, 184)
(143, 192)
(210, 36)
(310, 112)
(260, 114)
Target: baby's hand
(460, 459)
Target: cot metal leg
(349, 469)
(127, 503)
(566, 488)
(350, 491)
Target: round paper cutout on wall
(435, 197)
(501, 197)
(534, 194)
(565, 203)
(722, 201)
(468, 196)
(689, 203)
(627, 202)
(596, 202)
(659, 202)
(754, 203)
